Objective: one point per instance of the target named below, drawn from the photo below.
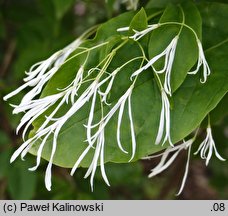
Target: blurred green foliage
(31, 30)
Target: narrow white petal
(27, 148)
(90, 119)
(18, 90)
(121, 109)
(185, 173)
(102, 163)
(149, 64)
(133, 140)
(162, 121)
(45, 123)
(207, 147)
(123, 29)
(201, 60)
(54, 146)
(94, 164)
(77, 163)
(139, 34)
(20, 149)
(165, 166)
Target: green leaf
(139, 21)
(61, 7)
(109, 28)
(77, 121)
(186, 51)
(192, 101)
(214, 19)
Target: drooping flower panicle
(39, 74)
(168, 157)
(207, 147)
(52, 125)
(93, 86)
(201, 60)
(169, 54)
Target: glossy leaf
(139, 21)
(192, 100)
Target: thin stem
(182, 24)
(89, 49)
(209, 120)
(183, 20)
(110, 57)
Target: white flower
(119, 105)
(103, 95)
(69, 92)
(99, 153)
(53, 125)
(44, 132)
(166, 161)
(169, 54)
(201, 60)
(207, 147)
(37, 83)
(38, 106)
(99, 139)
(40, 73)
(76, 84)
(140, 34)
(123, 29)
(164, 121)
(24, 148)
(109, 87)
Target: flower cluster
(166, 161)
(98, 82)
(207, 147)
(169, 57)
(93, 86)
